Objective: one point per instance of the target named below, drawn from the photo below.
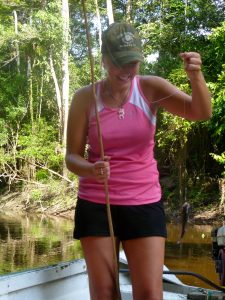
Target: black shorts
(129, 221)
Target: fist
(101, 169)
(192, 63)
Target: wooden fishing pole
(106, 187)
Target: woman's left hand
(192, 63)
(101, 169)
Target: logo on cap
(127, 39)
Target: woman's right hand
(101, 169)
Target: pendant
(121, 113)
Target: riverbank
(209, 216)
(54, 198)
(206, 216)
(60, 200)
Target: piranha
(184, 219)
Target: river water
(30, 241)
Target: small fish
(184, 219)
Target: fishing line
(164, 98)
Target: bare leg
(98, 253)
(145, 259)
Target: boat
(69, 281)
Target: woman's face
(122, 74)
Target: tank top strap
(138, 99)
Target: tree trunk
(58, 96)
(185, 15)
(16, 42)
(65, 68)
(128, 11)
(222, 195)
(110, 11)
(30, 168)
(30, 92)
(99, 24)
(65, 74)
(40, 92)
(161, 13)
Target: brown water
(193, 254)
(32, 241)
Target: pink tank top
(129, 141)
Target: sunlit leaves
(221, 160)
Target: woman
(127, 105)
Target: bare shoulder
(82, 98)
(79, 109)
(151, 79)
(156, 89)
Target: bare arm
(76, 139)
(194, 107)
(76, 136)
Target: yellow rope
(106, 188)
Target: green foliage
(40, 143)
(28, 109)
(36, 195)
(214, 54)
(217, 124)
(42, 175)
(221, 160)
(3, 133)
(203, 192)
(172, 133)
(218, 120)
(29, 114)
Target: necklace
(121, 113)
(121, 110)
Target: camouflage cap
(122, 43)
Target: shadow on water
(9, 227)
(32, 241)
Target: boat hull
(69, 281)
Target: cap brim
(126, 57)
